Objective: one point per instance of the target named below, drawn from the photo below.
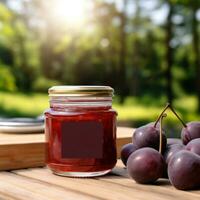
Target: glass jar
(80, 131)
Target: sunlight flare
(72, 12)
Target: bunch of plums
(177, 159)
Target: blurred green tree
(118, 44)
(16, 39)
(194, 6)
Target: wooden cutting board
(19, 151)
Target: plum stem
(161, 119)
(161, 114)
(174, 112)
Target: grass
(134, 111)
(22, 105)
(139, 111)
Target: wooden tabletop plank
(19, 151)
(5, 196)
(161, 186)
(23, 188)
(21, 138)
(113, 186)
(90, 186)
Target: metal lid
(81, 91)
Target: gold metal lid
(81, 91)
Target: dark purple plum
(126, 151)
(145, 165)
(171, 150)
(190, 132)
(171, 141)
(194, 146)
(184, 170)
(149, 136)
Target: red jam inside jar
(80, 131)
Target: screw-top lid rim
(81, 90)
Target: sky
(157, 15)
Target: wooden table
(41, 184)
(19, 151)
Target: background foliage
(143, 49)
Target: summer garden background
(147, 50)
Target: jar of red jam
(80, 131)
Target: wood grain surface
(41, 184)
(28, 150)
